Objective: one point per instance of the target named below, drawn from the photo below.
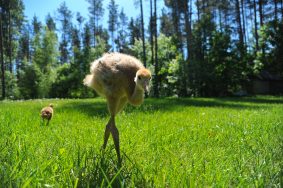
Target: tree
(166, 24)
(15, 17)
(175, 14)
(169, 70)
(80, 19)
(2, 58)
(23, 49)
(96, 11)
(255, 26)
(140, 3)
(11, 22)
(44, 59)
(156, 65)
(122, 43)
(29, 74)
(188, 30)
(65, 17)
(240, 29)
(112, 20)
(36, 25)
(50, 23)
(134, 30)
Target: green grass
(164, 143)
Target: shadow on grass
(99, 108)
(171, 104)
(101, 170)
(95, 108)
(257, 100)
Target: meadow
(169, 142)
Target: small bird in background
(47, 113)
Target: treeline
(194, 48)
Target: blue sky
(42, 8)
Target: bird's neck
(137, 96)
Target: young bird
(121, 79)
(47, 113)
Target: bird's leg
(122, 103)
(111, 128)
(115, 134)
(107, 133)
(113, 104)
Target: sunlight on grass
(165, 143)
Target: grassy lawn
(167, 142)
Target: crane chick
(121, 79)
(47, 113)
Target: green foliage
(170, 63)
(45, 59)
(29, 78)
(170, 60)
(12, 91)
(219, 70)
(271, 40)
(201, 142)
(69, 78)
(62, 85)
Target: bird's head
(143, 76)
(51, 105)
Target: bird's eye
(139, 77)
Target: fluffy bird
(47, 113)
(121, 79)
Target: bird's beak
(146, 87)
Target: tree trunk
(244, 21)
(281, 9)
(187, 27)
(94, 33)
(204, 37)
(156, 89)
(220, 20)
(2, 60)
(240, 30)
(261, 17)
(10, 38)
(275, 11)
(143, 42)
(260, 12)
(176, 23)
(188, 30)
(198, 8)
(255, 25)
(151, 34)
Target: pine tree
(50, 23)
(2, 57)
(36, 24)
(240, 28)
(23, 49)
(65, 17)
(134, 30)
(140, 3)
(96, 11)
(112, 20)
(121, 41)
(12, 18)
(156, 65)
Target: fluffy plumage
(120, 79)
(47, 112)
